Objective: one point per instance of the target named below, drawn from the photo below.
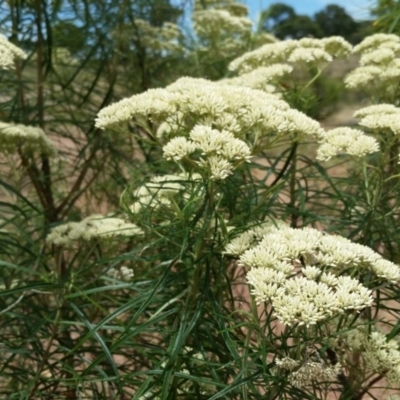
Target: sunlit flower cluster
(219, 151)
(236, 9)
(379, 63)
(310, 56)
(373, 76)
(213, 22)
(303, 301)
(14, 137)
(376, 41)
(380, 118)
(300, 272)
(249, 114)
(307, 51)
(94, 226)
(259, 39)
(262, 78)
(9, 53)
(251, 237)
(345, 141)
(223, 30)
(378, 57)
(222, 124)
(157, 39)
(376, 109)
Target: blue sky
(358, 9)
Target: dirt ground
(342, 117)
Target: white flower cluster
(223, 30)
(221, 149)
(214, 23)
(318, 291)
(314, 371)
(160, 191)
(345, 141)
(251, 237)
(380, 355)
(378, 57)
(9, 53)
(234, 8)
(287, 363)
(376, 109)
(372, 76)
(94, 226)
(303, 373)
(123, 273)
(380, 62)
(262, 78)
(381, 117)
(221, 124)
(259, 39)
(312, 52)
(28, 138)
(249, 114)
(378, 40)
(62, 59)
(157, 39)
(378, 119)
(306, 302)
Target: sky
(358, 9)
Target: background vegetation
(282, 20)
(72, 325)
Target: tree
(297, 27)
(275, 15)
(282, 21)
(69, 36)
(333, 20)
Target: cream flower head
(300, 272)
(9, 53)
(94, 226)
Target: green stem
(313, 79)
(292, 187)
(286, 165)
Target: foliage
(203, 238)
(281, 20)
(334, 20)
(387, 13)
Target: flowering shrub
(211, 280)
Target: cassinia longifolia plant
(219, 281)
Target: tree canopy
(333, 20)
